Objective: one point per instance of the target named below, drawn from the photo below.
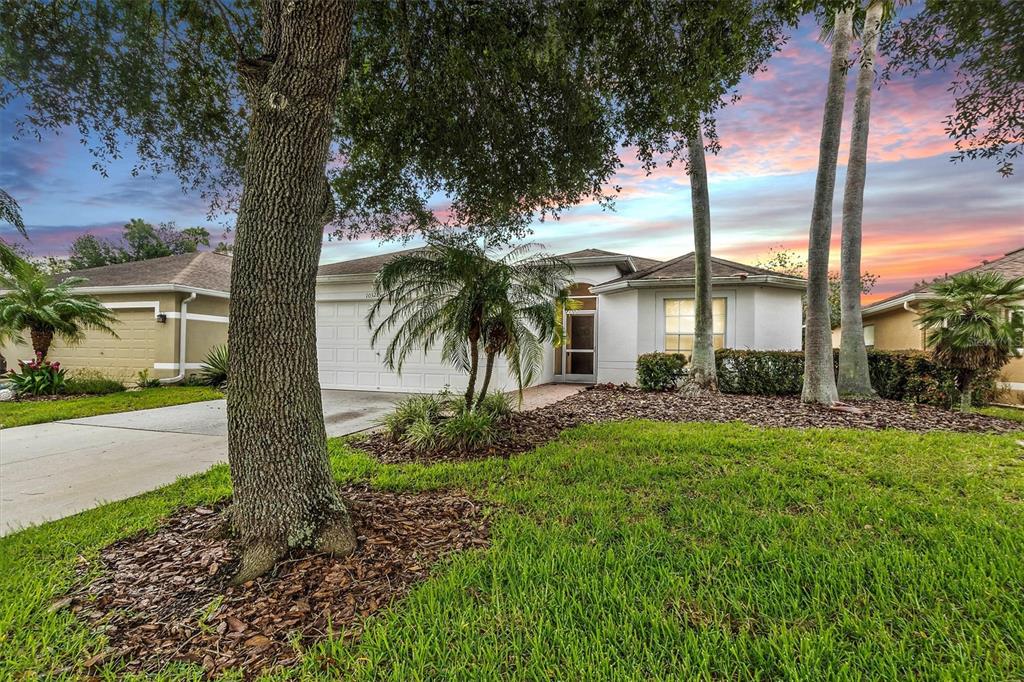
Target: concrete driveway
(49, 471)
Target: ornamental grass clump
(429, 423)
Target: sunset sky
(924, 216)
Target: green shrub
(38, 377)
(659, 371)
(422, 435)
(910, 376)
(431, 422)
(468, 430)
(214, 370)
(91, 382)
(759, 372)
(426, 408)
(143, 380)
(498, 405)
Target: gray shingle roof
(683, 267)
(199, 270)
(360, 266)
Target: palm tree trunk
(819, 374)
(854, 377)
(42, 338)
(284, 494)
(488, 369)
(966, 382)
(474, 366)
(702, 362)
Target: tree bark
(702, 361)
(474, 366)
(854, 377)
(284, 493)
(819, 373)
(488, 369)
(42, 339)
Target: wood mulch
(163, 597)
(527, 430)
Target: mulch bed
(527, 430)
(163, 597)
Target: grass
(38, 412)
(650, 551)
(1011, 413)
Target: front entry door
(579, 361)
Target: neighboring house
(150, 298)
(892, 323)
(627, 306)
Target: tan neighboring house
(892, 324)
(171, 311)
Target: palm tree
(457, 295)
(702, 362)
(33, 302)
(524, 296)
(971, 327)
(854, 377)
(819, 376)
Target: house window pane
(869, 335)
(680, 322)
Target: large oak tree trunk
(819, 373)
(284, 493)
(854, 377)
(702, 362)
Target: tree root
(336, 536)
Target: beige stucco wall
(142, 343)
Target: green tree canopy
(140, 241)
(979, 42)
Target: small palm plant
(33, 302)
(457, 295)
(971, 325)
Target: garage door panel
(348, 360)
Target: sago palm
(33, 302)
(453, 294)
(971, 325)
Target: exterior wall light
(161, 318)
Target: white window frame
(662, 301)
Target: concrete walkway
(49, 471)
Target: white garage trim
(199, 317)
(129, 305)
(174, 365)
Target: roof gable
(684, 267)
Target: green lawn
(22, 413)
(1011, 413)
(652, 551)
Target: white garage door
(348, 361)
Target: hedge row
(911, 376)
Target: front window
(869, 335)
(680, 318)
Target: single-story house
(892, 323)
(627, 306)
(165, 306)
